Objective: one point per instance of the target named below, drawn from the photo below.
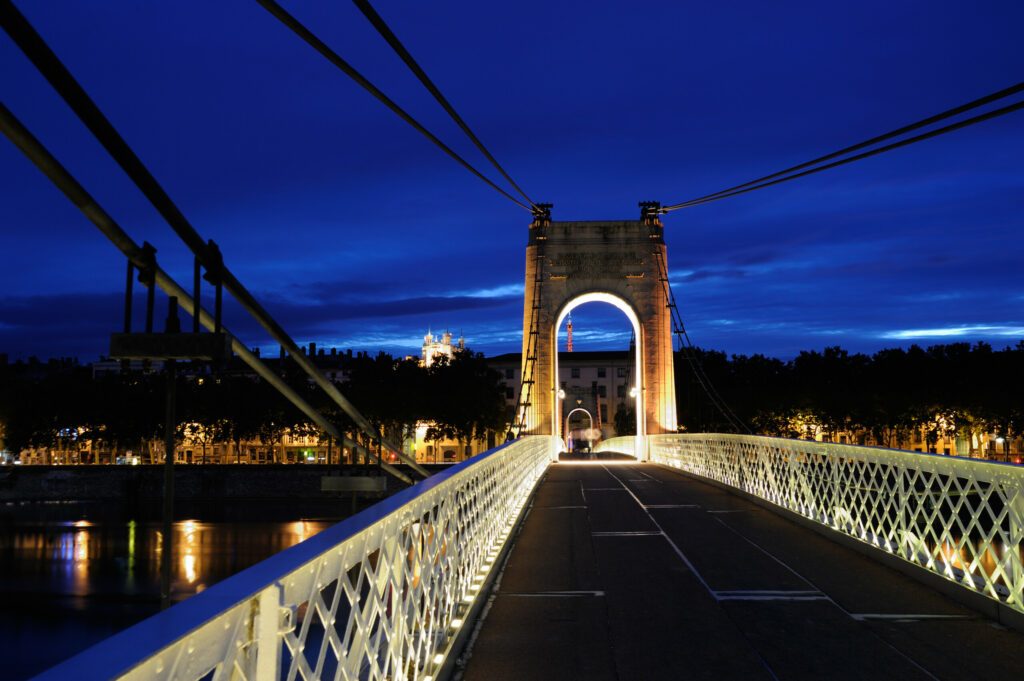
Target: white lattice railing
(960, 518)
(624, 444)
(381, 595)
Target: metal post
(267, 634)
(147, 275)
(129, 283)
(902, 540)
(170, 423)
(218, 308)
(150, 301)
(196, 294)
(128, 288)
(214, 262)
(1014, 550)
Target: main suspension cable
(790, 174)
(50, 66)
(313, 41)
(385, 31)
(34, 150)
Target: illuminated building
(597, 381)
(440, 346)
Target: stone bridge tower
(622, 263)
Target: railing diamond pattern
(377, 597)
(960, 518)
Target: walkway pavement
(638, 572)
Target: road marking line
(906, 617)
(769, 595)
(678, 551)
(672, 506)
(820, 597)
(551, 594)
(769, 592)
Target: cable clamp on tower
(542, 215)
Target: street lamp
(560, 398)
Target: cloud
(982, 331)
(317, 316)
(503, 291)
(67, 324)
(699, 275)
(80, 324)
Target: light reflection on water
(67, 584)
(83, 559)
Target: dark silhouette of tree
(466, 398)
(945, 391)
(956, 390)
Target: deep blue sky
(357, 233)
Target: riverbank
(212, 482)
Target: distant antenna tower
(568, 330)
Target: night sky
(355, 232)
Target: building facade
(598, 382)
(441, 346)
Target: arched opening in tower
(599, 378)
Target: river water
(72, 574)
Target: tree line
(944, 391)
(953, 390)
(56, 405)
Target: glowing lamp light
(633, 392)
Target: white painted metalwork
(624, 444)
(378, 596)
(960, 518)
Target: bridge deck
(638, 572)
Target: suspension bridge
(667, 556)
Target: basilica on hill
(439, 346)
